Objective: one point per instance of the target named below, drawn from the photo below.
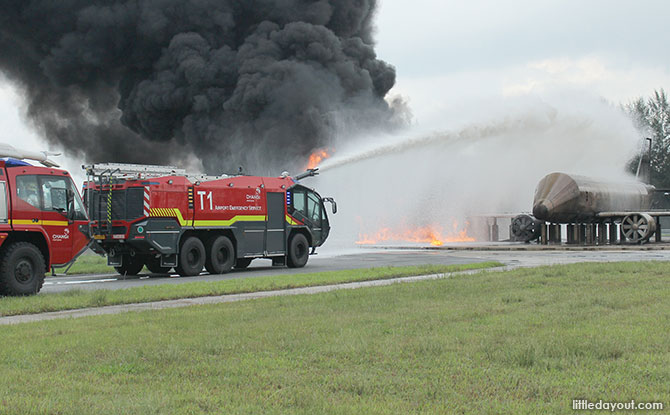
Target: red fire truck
(42, 221)
(164, 218)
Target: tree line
(652, 117)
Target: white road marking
(78, 282)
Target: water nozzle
(307, 173)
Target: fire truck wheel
(220, 255)
(298, 251)
(22, 269)
(191, 257)
(154, 265)
(131, 265)
(243, 263)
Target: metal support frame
(581, 228)
(494, 233)
(602, 234)
(552, 233)
(613, 233)
(571, 233)
(555, 233)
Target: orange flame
(435, 235)
(318, 156)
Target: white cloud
(592, 74)
(449, 99)
(452, 52)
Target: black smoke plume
(255, 82)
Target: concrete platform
(520, 246)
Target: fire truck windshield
(314, 207)
(309, 204)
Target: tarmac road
(361, 258)
(337, 261)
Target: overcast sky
(448, 53)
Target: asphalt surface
(361, 258)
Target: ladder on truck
(126, 171)
(131, 171)
(103, 175)
(107, 174)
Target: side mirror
(70, 205)
(332, 202)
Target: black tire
(298, 251)
(191, 257)
(220, 255)
(22, 269)
(130, 265)
(154, 265)
(242, 263)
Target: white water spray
(433, 180)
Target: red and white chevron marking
(147, 201)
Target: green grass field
(520, 342)
(74, 299)
(90, 263)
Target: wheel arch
(36, 238)
(303, 230)
(206, 235)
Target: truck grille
(127, 204)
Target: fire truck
(164, 218)
(42, 220)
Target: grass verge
(75, 299)
(520, 342)
(90, 264)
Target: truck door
(314, 217)
(250, 212)
(53, 192)
(77, 219)
(276, 239)
(62, 213)
(307, 207)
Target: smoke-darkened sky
(261, 83)
(453, 57)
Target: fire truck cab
(42, 224)
(164, 218)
